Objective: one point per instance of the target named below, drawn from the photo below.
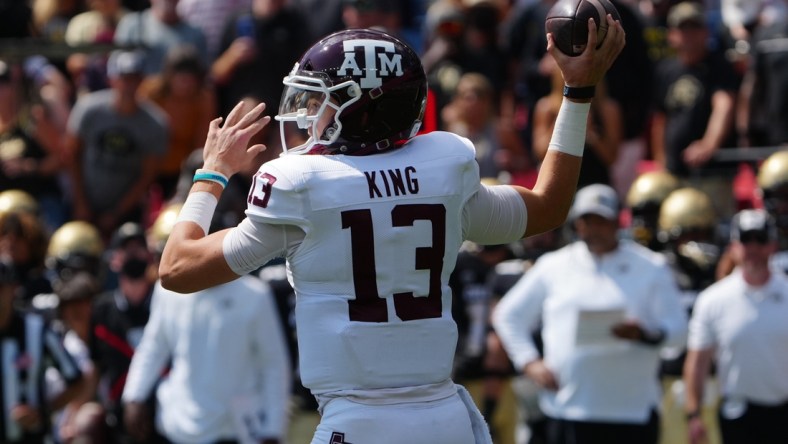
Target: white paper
(594, 327)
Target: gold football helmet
(773, 172)
(684, 211)
(651, 187)
(12, 201)
(75, 246)
(644, 199)
(162, 227)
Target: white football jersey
(382, 234)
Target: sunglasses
(758, 237)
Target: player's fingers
(591, 45)
(235, 114)
(255, 126)
(256, 149)
(214, 125)
(252, 115)
(552, 49)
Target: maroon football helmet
(355, 92)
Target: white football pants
(443, 421)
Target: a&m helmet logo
(380, 59)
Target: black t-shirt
(15, 19)
(17, 144)
(684, 94)
(769, 104)
(279, 41)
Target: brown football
(567, 20)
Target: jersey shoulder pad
(446, 143)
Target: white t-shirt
(611, 382)
(749, 328)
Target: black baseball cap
(125, 233)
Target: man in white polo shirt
(741, 321)
(606, 305)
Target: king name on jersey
(393, 182)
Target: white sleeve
(494, 215)
(701, 331)
(253, 243)
(151, 355)
(666, 302)
(518, 314)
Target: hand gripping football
(567, 21)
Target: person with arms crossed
(738, 323)
(370, 221)
(598, 378)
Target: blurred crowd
(105, 104)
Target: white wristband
(198, 208)
(569, 132)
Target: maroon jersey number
(266, 182)
(368, 306)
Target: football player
(370, 219)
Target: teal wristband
(211, 176)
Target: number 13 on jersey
(369, 306)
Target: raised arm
(192, 260)
(549, 201)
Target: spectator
(480, 51)
(78, 420)
(606, 306)
(23, 240)
(695, 95)
(51, 17)
(157, 30)
(763, 99)
(324, 16)
(29, 348)
(96, 25)
(114, 141)
(227, 359)
(210, 16)
(29, 161)
(119, 316)
(443, 30)
(530, 67)
(384, 15)
(16, 19)
(472, 114)
(629, 80)
(739, 324)
(604, 133)
(182, 91)
(259, 47)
